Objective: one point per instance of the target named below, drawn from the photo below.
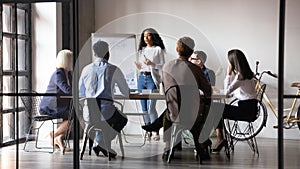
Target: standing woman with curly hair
(150, 61)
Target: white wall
(216, 26)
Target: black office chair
(31, 103)
(99, 126)
(247, 129)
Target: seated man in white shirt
(98, 80)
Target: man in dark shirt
(184, 102)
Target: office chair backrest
(260, 92)
(183, 103)
(173, 100)
(260, 95)
(31, 103)
(94, 112)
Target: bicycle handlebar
(272, 74)
(266, 71)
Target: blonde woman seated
(60, 83)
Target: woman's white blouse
(241, 89)
(155, 54)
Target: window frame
(13, 72)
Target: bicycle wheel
(243, 127)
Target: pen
(145, 57)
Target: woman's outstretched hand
(138, 65)
(148, 62)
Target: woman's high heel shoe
(208, 144)
(219, 147)
(207, 149)
(59, 142)
(165, 155)
(204, 151)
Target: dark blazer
(189, 78)
(57, 106)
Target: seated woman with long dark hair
(240, 83)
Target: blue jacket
(57, 106)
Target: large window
(15, 59)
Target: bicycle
(289, 121)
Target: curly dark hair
(157, 41)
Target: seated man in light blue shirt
(97, 82)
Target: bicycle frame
(267, 100)
(289, 119)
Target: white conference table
(158, 96)
(155, 96)
(138, 96)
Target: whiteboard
(123, 53)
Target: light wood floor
(149, 157)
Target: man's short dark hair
(185, 46)
(101, 49)
(201, 55)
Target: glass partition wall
(16, 67)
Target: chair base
(251, 141)
(30, 137)
(87, 131)
(169, 154)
